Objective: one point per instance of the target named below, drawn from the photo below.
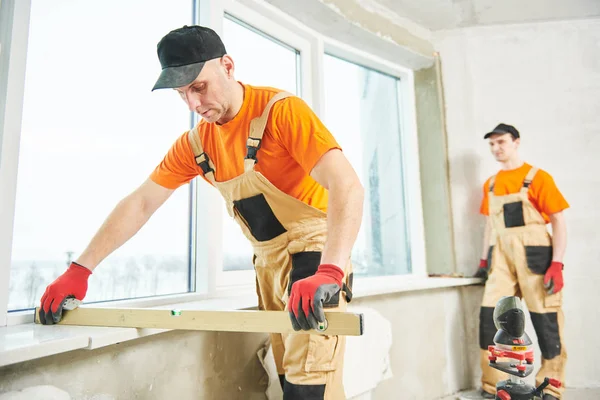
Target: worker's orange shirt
(543, 193)
(294, 141)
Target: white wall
(544, 78)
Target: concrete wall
(435, 341)
(172, 365)
(363, 28)
(434, 348)
(544, 78)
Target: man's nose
(193, 101)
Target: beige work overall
(288, 237)
(521, 252)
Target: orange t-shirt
(294, 141)
(543, 193)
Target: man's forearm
(559, 237)
(344, 216)
(123, 222)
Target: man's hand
(72, 284)
(553, 280)
(309, 294)
(482, 271)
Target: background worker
(285, 181)
(521, 258)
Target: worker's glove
(553, 280)
(308, 295)
(66, 292)
(482, 271)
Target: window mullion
(316, 68)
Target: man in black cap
(519, 256)
(286, 183)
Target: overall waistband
(306, 229)
(518, 230)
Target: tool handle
(502, 395)
(555, 382)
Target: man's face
(503, 146)
(209, 94)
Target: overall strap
(257, 129)
(202, 159)
(529, 179)
(492, 181)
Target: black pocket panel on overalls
(513, 214)
(546, 329)
(538, 258)
(305, 264)
(259, 217)
(487, 328)
(303, 392)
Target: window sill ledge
(30, 341)
(398, 284)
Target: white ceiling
(449, 14)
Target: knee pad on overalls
(487, 329)
(546, 329)
(292, 391)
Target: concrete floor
(570, 394)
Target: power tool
(512, 343)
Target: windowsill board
(30, 341)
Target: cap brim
(487, 135)
(174, 77)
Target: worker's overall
(288, 237)
(520, 253)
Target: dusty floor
(570, 394)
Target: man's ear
(228, 65)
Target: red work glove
(553, 280)
(308, 295)
(72, 284)
(482, 271)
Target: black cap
(183, 52)
(502, 129)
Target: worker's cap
(502, 129)
(183, 52)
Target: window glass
(92, 132)
(362, 111)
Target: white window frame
(409, 152)
(14, 33)
(208, 278)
